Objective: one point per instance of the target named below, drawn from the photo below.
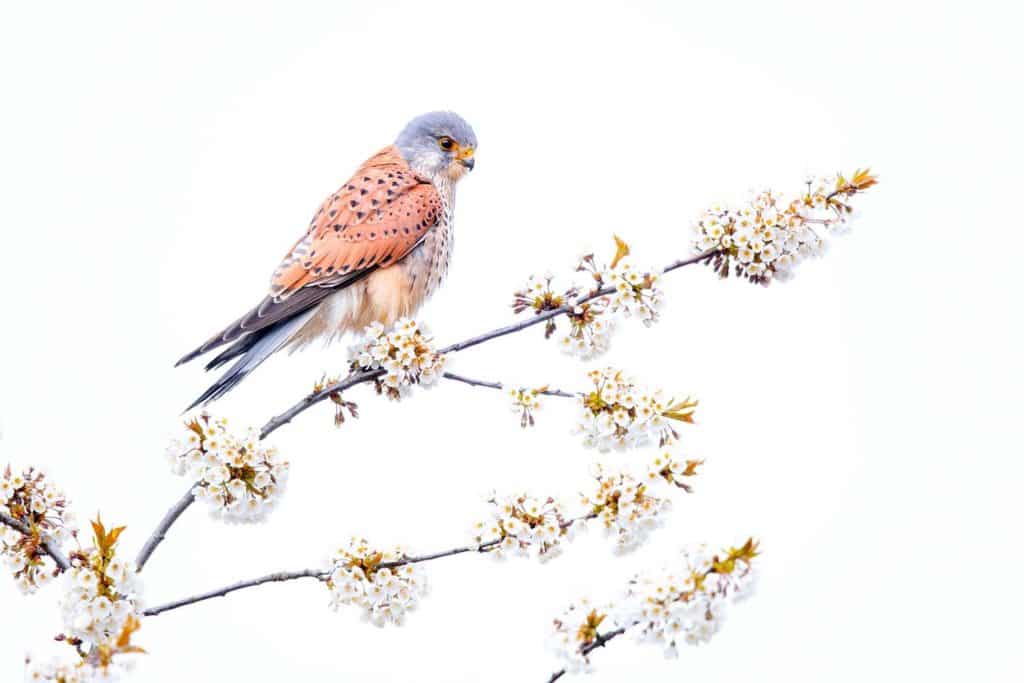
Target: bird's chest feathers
(435, 253)
(393, 292)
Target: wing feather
(373, 221)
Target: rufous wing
(374, 220)
(371, 222)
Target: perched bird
(374, 251)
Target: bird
(375, 251)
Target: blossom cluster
(615, 288)
(539, 296)
(590, 330)
(618, 413)
(359, 575)
(525, 402)
(624, 508)
(575, 633)
(405, 353)
(525, 526)
(237, 477)
(766, 238)
(686, 603)
(61, 671)
(664, 470)
(28, 497)
(683, 604)
(636, 291)
(103, 663)
(102, 592)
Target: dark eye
(446, 143)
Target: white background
(158, 160)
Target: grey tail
(251, 351)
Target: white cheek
(431, 162)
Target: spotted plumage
(373, 252)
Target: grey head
(438, 145)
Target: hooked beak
(466, 158)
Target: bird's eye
(445, 143)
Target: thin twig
(599, 640)
(322, 574)
(160, 533)
(284, 418)
(220, 592)
(48, 546)
(415, 559)
(312, 573)
(368, 375)
(498, 385)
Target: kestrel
(374, 252)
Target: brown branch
(311, 573)
(599, 640)
(160, 533)
(220, 592)
(284, 418)
(361, 377)
(320, 574)
(498, 385)
(48, 546)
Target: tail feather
(253, 351)
(235, 350)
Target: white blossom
(240, 479)
(539, 296)
(624, 508)
(405, 353)
(525, 402)
(591, 318)
(38, 504)
(686, 603)
(590, 329)
(636, 292)
(101, 592)
(81, 671)
(620, 414)
(385, 594)
(523, 525)
(766, 238)
(574, 632)
(665, 471)
(682, 604)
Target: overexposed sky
(156, 161)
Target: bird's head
(438, 145)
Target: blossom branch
(567, 308)
(221, 592)
(599, 640)
(546, 391)
(364, 376)
(48, 546)
(160, 533)
(310, 573)
(323, 574)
